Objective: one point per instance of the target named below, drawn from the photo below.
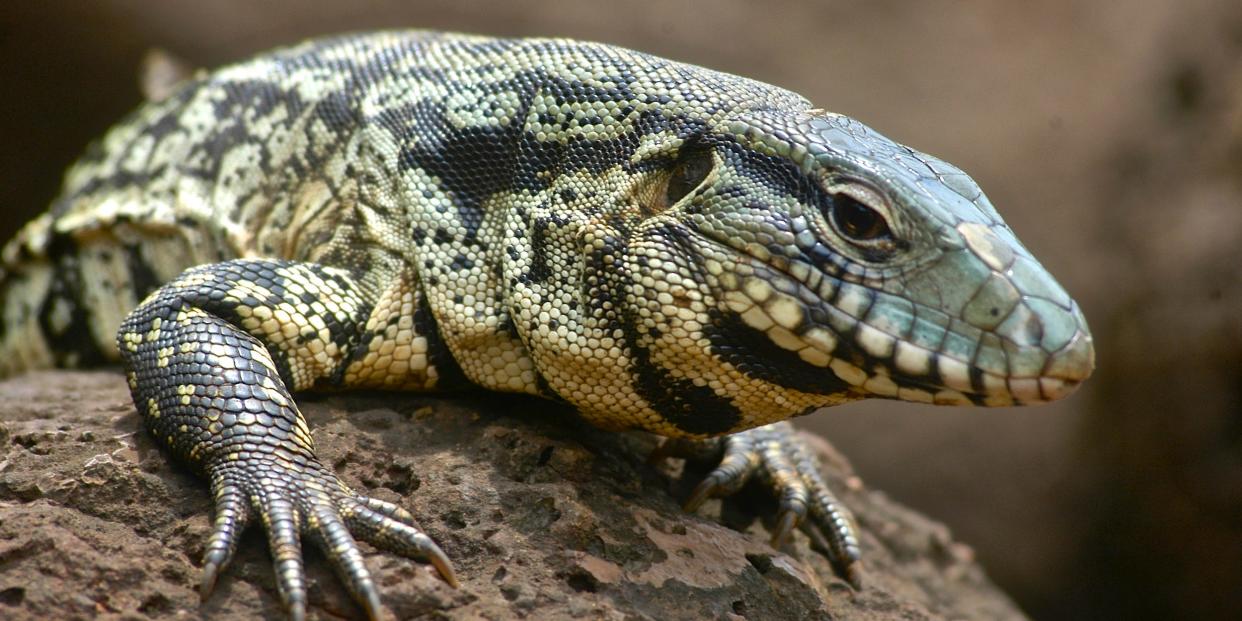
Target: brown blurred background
(1109, 135)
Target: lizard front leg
(211, 359)
(787, 467)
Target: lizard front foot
(296, 497)
(788, 468)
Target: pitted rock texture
(543, 516)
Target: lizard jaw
(830, 324)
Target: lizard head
(843, 264)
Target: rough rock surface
(545, 518)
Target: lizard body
(665, 247)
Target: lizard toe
(840, 544)
(392, 528)
(792, 473)
(789, 483)
(332, 535)
(295, 499)
(737, 464)
(232, 514)
(388, 509)
(281, 521)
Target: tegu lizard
(665, 247)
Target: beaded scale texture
(665, 247)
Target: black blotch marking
(691, 408)
(337, 111)
(451, 376)
(754, 354)
(247, 99)
(76, 343)
(475, 163)
(471, 163)
(142, 278)
(539, 244)
(461, 263)
(976, 378)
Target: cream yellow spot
(848, 373)
(785, 311)
(986, 245)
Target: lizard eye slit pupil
(856, 220)
(688, 174)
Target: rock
(544, 517)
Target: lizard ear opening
(688, 174)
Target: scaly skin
(665, 247)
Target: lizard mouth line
(796, 314)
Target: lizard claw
(790, 470)
(306, 499)
(389, 527)
(232, 514)
(734, 470)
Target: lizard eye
(857, 221)
(688, 174)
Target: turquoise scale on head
(929, 293)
